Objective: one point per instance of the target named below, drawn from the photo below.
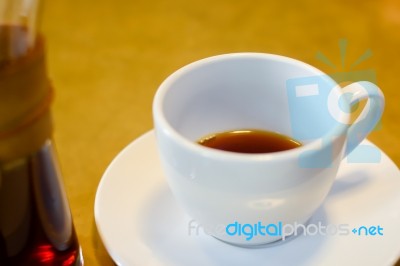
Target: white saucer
(141, 224)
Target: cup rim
(169, 130)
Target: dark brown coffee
(249, 141)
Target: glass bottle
(36, 226)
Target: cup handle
(369, 116)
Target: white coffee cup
(221, 189)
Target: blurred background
(107, 58)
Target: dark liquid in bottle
(35, 223)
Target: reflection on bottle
(51, 201)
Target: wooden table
(107, 58)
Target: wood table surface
(107, 58)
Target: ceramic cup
(245, 199)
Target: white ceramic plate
(141, 224)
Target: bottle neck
(25, 90)
(18, 28)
